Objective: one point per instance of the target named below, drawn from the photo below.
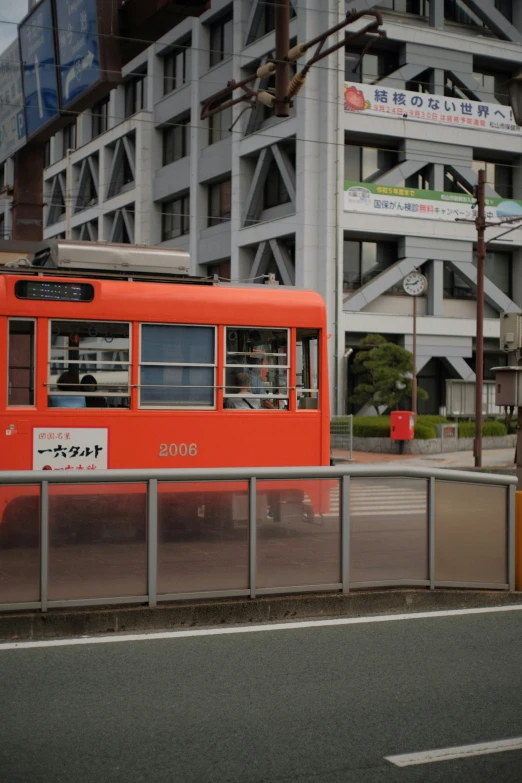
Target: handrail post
(431, 532)
(44, 544)
(345, 533)
(152, 541)
(511, 550)
(252, 533)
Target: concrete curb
(420, 447)
(92, 622)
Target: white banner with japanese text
(70, 448)
(404, 104)
(375, 199)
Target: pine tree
(384, 371)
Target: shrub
(425, 431)
(490, 429)
(379, 426)
(429, 419)
(371, 426)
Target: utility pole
(480, 224)
(285, 90)
(282, 65)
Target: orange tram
(116, 358)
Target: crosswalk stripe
(381, 500)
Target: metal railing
(341, 435)
(146, 536)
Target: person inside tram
(257, 383)
(242, 402)
(68, 382)
(89, 386)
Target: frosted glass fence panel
(19, 544)
(298, 533)
(202, 536)
(97, 541)
(388, 529)
(470, 533)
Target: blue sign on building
(39, 73)
(12, 120)
(77, 47)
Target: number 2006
(178, 450)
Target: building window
(69, 138)
(420, 180)
(94, 349)
(47, 153)
(135, 94)
(499, 176)
(123, 165)
(274, 192)
(100, 117)
(176, 67)
(221, 269)
(176, 141)
(364, 164)
(221, 45)
(219, 123)
(455, 286)
(453, 185)
(362, 261)
(21, 363)
(499, 269)
(417, 7)
(458, 11)
(266, 22)
(177, 366)
(3, 231)
(175, 218)
(495, 84)
(421, 83)
(370, 67)
(219, 202)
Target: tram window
(177, 366)
(264, 356)
(89, 364)
(21, 363)
(307, 369)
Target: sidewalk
(458, 459)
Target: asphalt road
(323, 704)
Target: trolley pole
(479, 346)
(282, 65)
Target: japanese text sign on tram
(78, 48)
(393, 103)
(70, 448)
(12, 120)
(39, 73)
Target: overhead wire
(181, 45)
(240, 132)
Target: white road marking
(460, 752)
(382, 500)
(142, 637)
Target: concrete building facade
(250, 195)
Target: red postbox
(402, 424)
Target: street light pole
(480, 224)
(414, 375)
